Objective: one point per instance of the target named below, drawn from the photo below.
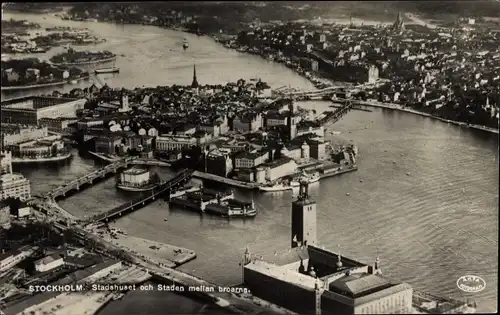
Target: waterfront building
(310, 279)
(280, 168)
(88, 122)
(14, 133)
(49, 263)
(29, 110)
(135, 177)
(14, 185)
(171, 143)
(50, 146)
(6, 162)
(218, 162)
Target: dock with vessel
(210, 201)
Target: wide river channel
(425, 197)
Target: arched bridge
(179, 179)
(89, 178)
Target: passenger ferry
(276, 187)
(310, 178)
(232, 208)
(107, 70)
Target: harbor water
(425, 197)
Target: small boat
(276, 187)
(38, 50)
(185, 44)
(166, 219)
(394, 162)
(107, 70)
(408, 174)
(310, 178)
(73, 82)
(347, 194)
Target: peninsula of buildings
(32, 73)
(448, 71)
(238, 133)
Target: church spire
(195, 83)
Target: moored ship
(309, 178)
(137, 179)
(275, 187)
(213, 202)
(107, 70)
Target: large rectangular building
(312, 280)
(29, 110)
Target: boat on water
(230, 208)
(185, 44)
(38, 50)
(275, 187)
(213, 202)
(107, 70)
(310, 178)
(137, 179)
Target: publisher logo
(471, 284)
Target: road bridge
(180, 179)
(332, 117)
(89, 178)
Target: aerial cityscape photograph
(249, 157)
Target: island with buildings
(20, 43)
(21, 74)
(74, 58)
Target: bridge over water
(179, 179)
(89, 178)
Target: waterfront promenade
(409, 110)
(16, 160)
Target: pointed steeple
(195, 83)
